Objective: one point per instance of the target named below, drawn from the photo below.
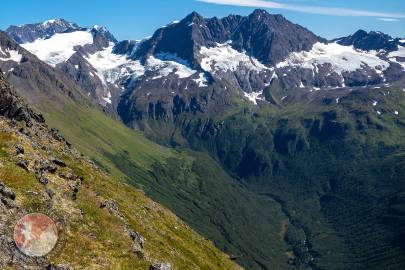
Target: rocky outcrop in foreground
(13, 107)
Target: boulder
(59, 162)
(138, 243)
(19, 149)
(6, 192)
(43, 180)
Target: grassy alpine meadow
(91, 236)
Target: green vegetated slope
(246, 225)
(335, 162)
(103, 223)
(91, 236)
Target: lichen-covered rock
(43, 180)
(138, 243)
(23, 164)
(161, 266)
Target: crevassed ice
(59, 47)
(224, 57)
(342, 58)
(112, 67)
(166, 64)
(13, 55)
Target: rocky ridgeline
(31, 32)
(20, 120)
(13, 107)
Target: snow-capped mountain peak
(31, 32)
(100, 28)
(373, 40)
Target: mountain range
(248, 53)
(286, 149)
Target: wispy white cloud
(307, 9)
(388, 19)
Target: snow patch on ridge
(224, 57)
(108, 98)
(201, 81)
(398, 53)
(59, 47)
(341, 58)
(13, 56)
(45, 23)
(254, 96)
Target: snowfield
(59, 47)
(341, 58)
(165, 64)
(112, 67)
(224, 57)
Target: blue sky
(136, 19)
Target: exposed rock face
(269, 38)
(102, 37)
(13, 107)
(370, 41)
(125, 47)
(182, 38)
